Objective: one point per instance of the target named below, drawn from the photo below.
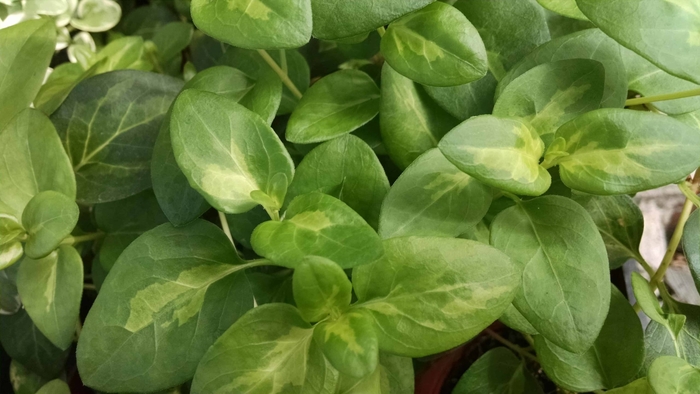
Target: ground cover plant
(315, 196)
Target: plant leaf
(691, 246)
(673, 375)
(27, 49)
(686, 344)
(337, 104)
(339, 20)
(567, 8)
(620, 223)
(10, 253)
(614, 359)
(169, 296)
(433, 197)
(23, 380)
(654, 30)
(396, 374)
(639, 386)
(9, 298)
(498, 371)
(96, 15)
(411, 123)
(172, 39)
(317, 224)
(347, 169)
(503, 153)
(565, 292)
(551, 94)
(34, 161)
(255, 24)
(586, 44)
(23, 341)
(224, 166)
(49, 217)
(56, 386)
(108, 125)
(617, 151)
(264, 352)
(515, 320)
(435, 46)
(320, 288)
(349, 343)
(424, 297)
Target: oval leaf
(691, 246)
(109, 124)
(350, 343)
(503, 153)
(49, 217)
(335, 105)
(345, 168)
(552, 94)
(565, 292)
(567, 8)
(435, 46)
(673, 375)
(658, 28)
(498, 371)
(425, 297)
(316, 224)
(169, 296)
(433, 197)
(227, 152)
(617, 151)
(255, 24)
(321, 288)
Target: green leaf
(10, 229)
(686, 344)
(317, 224)
(123, 221)
(96, 15)
(242, 225)
(620, 223)
(56, 386)
(654, 31)
(27, 49)
(51, 289)
(264, 352)
(614, 359)
(424, 297)
(396, 374)
(335, 105)
(49, 217)
(505, 46)
(33, 161)
(145, 21)
(411, 123)
(673, 375)
(567, 8)
(503, 153)
(226, 166)
(587, 44)
(321, 288)
(433, 197)
(639, 386)
(345, 168)
(648, 80)
(10, 253)
(23, 380)
(515, 320)
(23, 341)
(9, 298)
(172, 39)
(252, 64)
(255, 24)
(45, 7)
(108, 125)
(565, 290)
(122, 53)
(617, 151)
(498, 371)
(169, 296)
(435, 46)
(691, 246)
(338, 20)
(560, 25)
(260, 93)
(350, 343)
(59, 84)
(551, 94)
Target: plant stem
(672, 244)
(644, 264)
(72, 240)
(511, 345)
(283, 61)
(381, 30)
(662, 97)
(225, 227)
(89, 286)
(273, 213)
(689, 193)
(280, 72)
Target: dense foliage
(302, 196)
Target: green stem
(225, 227)
(381, 30)
(672, 244)
(511, 196)
(280, 72)
(283, 61)
(689, 193)
(273, 213)
(511, 345)
(72, 240)
(644, 264)
(662, 97)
